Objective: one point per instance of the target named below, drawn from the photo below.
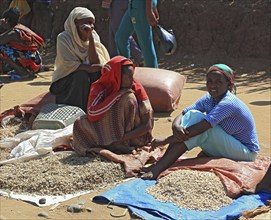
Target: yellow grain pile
(191, 190)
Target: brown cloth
(29, 110)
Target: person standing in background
(117, 8)
(140, 16)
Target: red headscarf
(104, 92)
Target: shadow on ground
(249, 72)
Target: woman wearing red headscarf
(119, 113)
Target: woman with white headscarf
(79, 60)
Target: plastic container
(56, 116)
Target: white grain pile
(59, 174)
(191, 190)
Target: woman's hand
(152, 18)
(151, 15)
(90, 68)
(86, 31)
(155, 11)
(95, 68)
(180, 133)
(120, 148)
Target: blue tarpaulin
(134, 196)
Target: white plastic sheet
(34, 143)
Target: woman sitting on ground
(18, 46)
(226, 130)
(79, 59)
(119, 116)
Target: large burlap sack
(164, 87)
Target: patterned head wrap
(226, 71)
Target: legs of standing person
(125, 30)
(144, 32)
(116, 12)
(136, 52)
(74, 88)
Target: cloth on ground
(133, 195)
(237, 177)
(33, 143)
(29, 110)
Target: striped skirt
(124, 116)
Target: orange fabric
(30, 40)
(105, 91)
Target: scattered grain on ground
(4, 153)
(59, 174)
(11, 126)
(190, 189)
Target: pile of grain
(11, 126)
(59, 174)
(191, 190)
(4, 153)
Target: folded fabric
(134, 196)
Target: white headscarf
(71, 50)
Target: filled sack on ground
(164, 87)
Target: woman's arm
(180, 133)
(151, 16)
(86, 33)
(145, 126)
(198, 128)
(92, 53)
(90, 68)
(183, 134)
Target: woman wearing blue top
(140, 16)
(227, 128)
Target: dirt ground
(207, 32)
(253, 87)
